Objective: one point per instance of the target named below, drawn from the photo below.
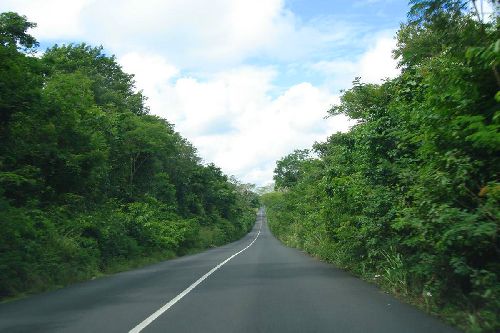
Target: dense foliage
(409, 197)
(88, 178)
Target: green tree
(287, 170)
(89, 181)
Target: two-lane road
(263, 287)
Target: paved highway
(252, 285)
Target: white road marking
(186, 291)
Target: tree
(19, 74)
(112, 88)
(288, 169)
(13, 31)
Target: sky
(246, 81)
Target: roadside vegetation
(409, 197)
(90, 182)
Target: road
(265, 287)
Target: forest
(90, 181)
(409, 197)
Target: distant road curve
(252, 285)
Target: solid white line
(186, 291)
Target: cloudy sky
(246, 81)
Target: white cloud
(196, 34)
(231, 117)
(488, 11)
(55, 19)
(191, 58)
(150, 69)
(377, 63)
(373, 66)
(234, 121)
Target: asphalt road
(265, 288)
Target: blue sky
(246, 81)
